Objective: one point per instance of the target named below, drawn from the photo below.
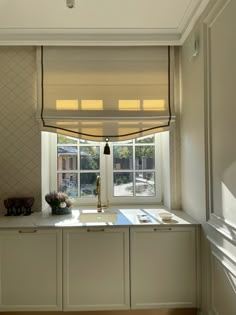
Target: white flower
(63, 205)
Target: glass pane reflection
(67, 158)
(144, 157)
(89, 158)
(61, 139)
(123, 184)
(145, 184)
(68, 183)
(122, 157)
(88, 184)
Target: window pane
(66, 158)
(89, 158)
(65, 140)
(144, 157)
(68, 183)
(145, 184)
(123, 184)
(122, 157)
(123, 142)
(81, 141)
(146, 139)
(88, 184)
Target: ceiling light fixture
(70, 4)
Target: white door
(96, 268)
(30, 270)
(163, 267)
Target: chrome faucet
(99, 203)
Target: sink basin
(87, 216)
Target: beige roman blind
(99, 93)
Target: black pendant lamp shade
(107, 148)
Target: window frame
(157, 199)
(106, 171)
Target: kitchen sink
(87, 216)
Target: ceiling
(92, 22)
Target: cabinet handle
(27, 231)
(162, 229)
(95, 230)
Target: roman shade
(105, 93)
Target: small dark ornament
(19, 206)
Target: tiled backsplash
(20, 146)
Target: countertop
(123, 217)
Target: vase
(60, 211)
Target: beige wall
(20, 155)
(218, 243)
(192, 131)
(20, 151)
(192, 142)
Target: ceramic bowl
(166, 216)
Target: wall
(20, 155)
(20, 151)
(208, 155)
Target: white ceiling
(120, 22)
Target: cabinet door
(96, 268)
(163, 267)
(30, 270)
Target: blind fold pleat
(96, 93)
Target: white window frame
(158, 181)
(106, 165)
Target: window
(133, 170)
(131, 174)
(82, 158)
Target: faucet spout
(99, 203)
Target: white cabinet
(96, 268)
(30, 270)
(163, 267)
(101, 268)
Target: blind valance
(99, 93)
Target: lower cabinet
(163, 267)
(101, 268)
(30, 270)
(96, 269)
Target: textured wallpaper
(20, 146)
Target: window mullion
(53, 161)
(158, 175)
(78, 168)
(134, 169)
(104, 174)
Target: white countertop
(144, 216)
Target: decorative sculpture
(19, 206)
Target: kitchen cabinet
(96, 268)
(163, 267)
(30, 269)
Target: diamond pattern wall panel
(20, 144)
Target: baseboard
(179, 311)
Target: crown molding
(88, 37)
(108, 36)
(188, 26)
